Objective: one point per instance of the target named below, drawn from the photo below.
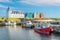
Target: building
(41, 15)
(29, 15)
(36, 15)
(15, 14)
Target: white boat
(10, 23)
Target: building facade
(15, 14)
(29, 15)
(36, 15)
(41, 15)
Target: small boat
(27, 24)
(56, 30)
(43, 28)
(9, 23)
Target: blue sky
(50, 8)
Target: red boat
(43, 28)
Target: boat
(27, 24)
(9, 23)
(43, 28)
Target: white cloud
(4, 0)
(38, 2)
(5, 7)
(2, 6)
(2, 11)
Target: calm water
(19, 33)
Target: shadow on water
(56, 34)
(2, 26)
(53, 36)
(44, 35)
(27, 28)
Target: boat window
(45, 25)
(38, 25)
(42, 25)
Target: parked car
(43, 28)
(27, 24)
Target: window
(38, 25)
(45, 25)
(15, 12)
(42, 25)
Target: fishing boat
(43, 28)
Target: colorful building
(29, 15)
(41, 15)
(15, 15)
(36, 15)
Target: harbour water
(19, 33)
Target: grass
(16, 19)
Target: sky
(50, 8)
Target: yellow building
(36, 15)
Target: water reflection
(4, 35)
(19, 33)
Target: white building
(15, 14)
